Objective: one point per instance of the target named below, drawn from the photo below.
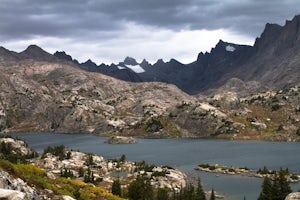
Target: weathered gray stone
(11, 194)
(259, 125)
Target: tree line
(141, 189)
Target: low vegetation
(60, 186)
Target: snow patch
(230, 48)
(136, 68)
(120, 67)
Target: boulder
(259, 126)
(293, 196)
(11, 194)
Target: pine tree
(89, 177)
(283, 185)
(199, 192)
(81, 172)
(275, 188)
(116, 188)
(140, 189)
(267, 189)
(212, 196)
(162, 194)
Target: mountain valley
(240, 92)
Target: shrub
(56, 151)
(204, 165)
(294, 177)
(298, 132)
(275, 107)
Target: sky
(107, 31)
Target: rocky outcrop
(11, 194)
(15, 188)
(259, 125)
(121, 140)
(17, 146)
(293, 196)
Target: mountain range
(272, 62)
(253, 91)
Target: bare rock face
(121, 140)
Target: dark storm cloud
(108, 18)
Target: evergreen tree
(212, 196)
(267, 189)
(140, 189)
(116, 188)
(123, 158)
(81, 172)
(89, 177)
(162, 194)
(283, 185)
(199, 192)
(275, 188)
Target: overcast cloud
(109, 30)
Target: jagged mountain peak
(63, 55)
(296, 19)
(36, 53)
(7, 56)
(145, 63)
(89, 62)
(174, 61)
(130, 61)
(33, 48)
(3, 49)
(160, 62)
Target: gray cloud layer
(98, 20)
(22, 19)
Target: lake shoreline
(159, 138)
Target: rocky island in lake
(121, 140)
(244, 171)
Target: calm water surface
(186, 154)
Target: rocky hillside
(55, 96)
(45, 96)
(272, 115)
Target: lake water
(186, 154)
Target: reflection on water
(185, 154)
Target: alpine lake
(186, 154)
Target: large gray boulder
(11, 194)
